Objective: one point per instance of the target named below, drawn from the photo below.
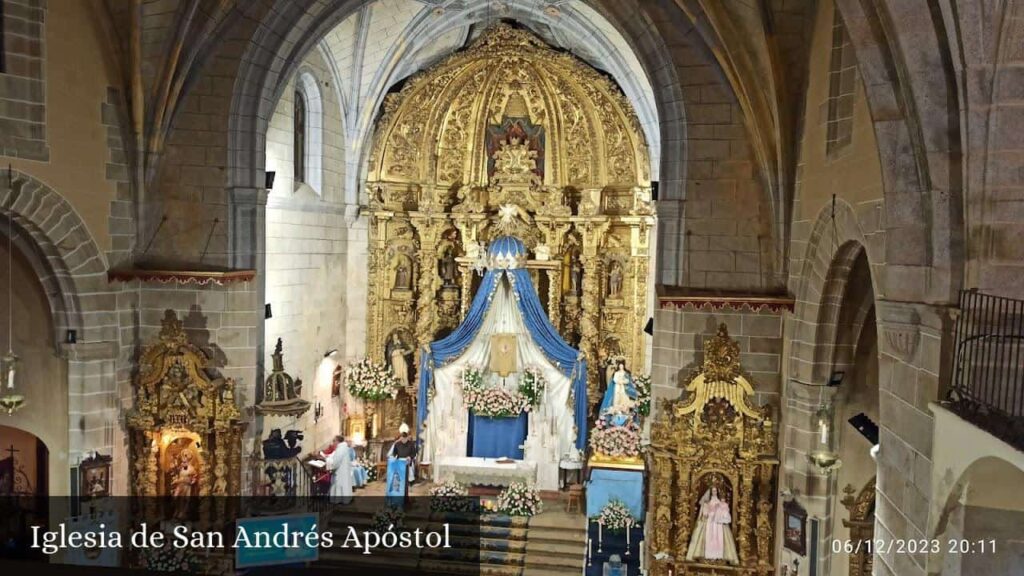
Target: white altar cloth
(484, 471)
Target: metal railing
(988, 365)
(287, 484)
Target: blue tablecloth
(624, 485)
(496, 437)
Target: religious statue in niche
(619, 400)
(712, 537)
(615, 280)
(575, 278)
(448, 268)
(336, 382)
(184, 482)
(403, 274)
(397, 353)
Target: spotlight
(270, 179)
(330, 352)
(649, 328)
(267, 312)
(72, 337)
(836, 378)
(654, 190)
(866, 426)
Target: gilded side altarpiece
(713, 437)
(185, 428)
(508, 130)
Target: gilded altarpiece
(185, 428)
(713, 438)
(509, 136)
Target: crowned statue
(619, 403)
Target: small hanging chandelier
(10, 400)
(823, 456)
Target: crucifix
(12, 450)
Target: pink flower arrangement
(615, 441)
(491, 402)
(520, 500)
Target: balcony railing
(988, 365)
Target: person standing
(340, 463)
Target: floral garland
(643, 394)
(387, 519)
(531, 385)
(370, 380)
(452, 497)
(615, 516)
(616, 441)
(520, 500)
(170, 559)
(491, 402)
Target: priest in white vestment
(340, 463)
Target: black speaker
(836, 378)
(267, 312)
(71, 337)
(649, 328)
(866, 426)
(270, 179)
(654, 190)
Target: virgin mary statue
(712, 538)
(620, 398)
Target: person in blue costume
(619, 403)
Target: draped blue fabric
(496, 437)
(502, 251)
(606, 485)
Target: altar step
(555, 544)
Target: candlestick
(590, 546)
(600, 538)
(629, 525)
(642, 554)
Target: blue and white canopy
(506, 302)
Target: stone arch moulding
(63, 254)
(817, 283)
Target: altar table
(484, 471)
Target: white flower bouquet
(615, 516)
(531, 385)
(519, 500)
(643, 394)
(451, 497)
(491, 402)
(387, 519)
(370, 380)
(170, 559)
(615, 441)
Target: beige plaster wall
(77, 78)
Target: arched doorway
(24, 487)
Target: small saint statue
(576, 278)
(448, 268)
(182, 486)
(399, 364)
(619, 400)
(615, 280)
(403, 280)
(712, 538)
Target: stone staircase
(550, 544)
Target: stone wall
(23, 80)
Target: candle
(10, 378)
(642, 554)
(600, 538)
(629, 524)
(824, 433)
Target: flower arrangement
(370, 380)
(387, 519)
(615, 516)
(451, 497)
(616, 441)
(519, 500)
(170, 559)
(531, 385)
(370, 467)
(643, 394)
(491, 402)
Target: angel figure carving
(712, 538)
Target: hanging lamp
(10, 400)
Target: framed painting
(794, 523)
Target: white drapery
(550, 432)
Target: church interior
(667, 287)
